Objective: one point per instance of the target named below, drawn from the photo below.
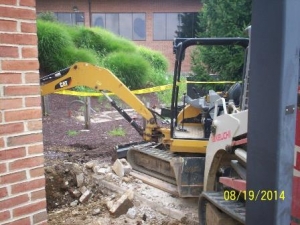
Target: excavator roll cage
(179, 47)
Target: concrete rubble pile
(119, 170)
(132, 199)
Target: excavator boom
(97, 78)
(100, 79)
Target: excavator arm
(101, 79)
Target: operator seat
(201, 103)
(234, 93)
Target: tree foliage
(221, 18)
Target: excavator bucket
(189, 174)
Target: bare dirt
(68, 149)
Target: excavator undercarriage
(184, 172)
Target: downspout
(90, 13)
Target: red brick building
(22, 181)
(153, 24)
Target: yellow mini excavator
(175, 154)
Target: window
(76, 18)
(129, 25)
(167, 26)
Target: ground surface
(68, 149)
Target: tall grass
(52, 41)
(131, 68)
(61, 45)
(155, 58)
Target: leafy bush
(131, 68)
(114, 43)
(47, 16)
(87, 38)
(71, 55)
(156, 59)
(52, 41)
(61, 46)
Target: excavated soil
(69, 145)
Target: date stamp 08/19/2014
(251, 195)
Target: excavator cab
(191, 118)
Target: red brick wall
(22, 181)
(145, 6)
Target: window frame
(165, 29)
(118, 30)
(73, 18)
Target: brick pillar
(22, 181)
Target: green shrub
(87, 38)
(132, 69)
(52, 40)
(47, 16)
(71, 55)
(57, 50)
(61, 45)
(100, 40)
(157, 60)
(158, 77)
(114, 42)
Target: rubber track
(155, 154)
(234, 209)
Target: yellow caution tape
(153, 89)
(211, 82)
(77, 93)
(141, 91)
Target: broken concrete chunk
(83, 189)
(121, 167)
(75, 213)
(127, 167)
(90, 164)
(101, 171)
(96, 212)
(131, 213)
(126, 179)
(76, 168)
(80, 179)
(74, 203)
(85, 196)
(96, 168)
(121, 206)
(75, 193)
(130, 194)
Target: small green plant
(101, 99)
(72, 133)
(117, 132)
